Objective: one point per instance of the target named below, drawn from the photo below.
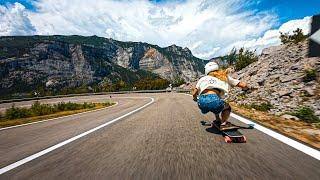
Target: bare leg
(225, 113)
(217, 117)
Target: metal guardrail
(90, 94)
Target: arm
(237, 83)
(242, 85)
(194, 93)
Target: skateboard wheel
(244, 139)
(227, 139)
(241, 139)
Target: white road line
(10, 127)
(295, 144)
(45, 151)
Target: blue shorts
(210, 103)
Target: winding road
(144, 136)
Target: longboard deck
(230, 135)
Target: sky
(209, 28)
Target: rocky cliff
(71, 61)
(284, 77)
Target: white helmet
(211, 66)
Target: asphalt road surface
(165, 140)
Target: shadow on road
(210, 129)
(213, 130)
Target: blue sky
(26, 3)
(209, 28)
(285, 9)
(291, 9)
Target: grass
(306, 114)
(264, 107)
(17, 115)
(310, 75)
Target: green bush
(107, 103)
(152, 84)
(69, 106)
(240, 59)
(310, 75)
(177, 82)
(265, 107)
(16, 112)
(38, 109)
(244, 58)
(231, 58)
(306, 114)
(297, 36)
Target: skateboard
(231, 135)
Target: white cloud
(14, 21)
(208, 27)
(271, 37)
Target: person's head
(212, 69)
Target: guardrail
(90, 94)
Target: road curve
(163, 141)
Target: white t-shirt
(209, 82)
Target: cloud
(15, 21)
(271, 37)
(208, 27)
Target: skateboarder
(210, 91)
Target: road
(165, 140)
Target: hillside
(28, 63)
(283, 78)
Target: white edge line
(295, 144)
(45, 151)
(26, 124)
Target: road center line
(295, 144)
(45, 151)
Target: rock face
(170, 63)
(71, 61)
(278, 77)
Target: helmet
(211, 66)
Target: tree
(178, 81)
(296, 37)
(231, 58)
(119, 85)
(284, 37)
(152, 84)
(244, 58)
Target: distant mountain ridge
(27, 62)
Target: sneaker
(227, 126)
(216, 123)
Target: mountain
(32, 62)
(284, 77)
